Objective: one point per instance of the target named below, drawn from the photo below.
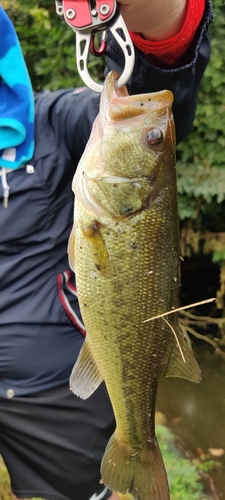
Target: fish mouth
(120, 105)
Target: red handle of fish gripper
(105, 8)
(77, 13)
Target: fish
(124, 250)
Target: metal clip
(87, 19)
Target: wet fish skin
(124, 248)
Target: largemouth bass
(124, 248)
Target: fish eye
(154, 136)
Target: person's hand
(154, 19)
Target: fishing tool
(87, 18)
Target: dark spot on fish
(152, 179)
(97, 266)
(125, 209)
(133, 244)
(115, 185)
(85, 305)
(141, 104)
(92, 230)
(95, 225)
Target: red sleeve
(171, 49)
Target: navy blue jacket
(40, 325)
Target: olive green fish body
(125, 251)
(130, 353)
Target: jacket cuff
(171, 49)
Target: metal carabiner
(101, 51)
(87, 20)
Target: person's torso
(40, 324)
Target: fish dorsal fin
(85, 377)
(185, 365)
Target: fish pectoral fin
(85, 377)
(71, 249)
(97, 248)
(185, 365)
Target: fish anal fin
(138, 473)
(71, 249)
(185, 365)
(97, 248)
(85, 377)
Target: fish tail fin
(141, 474)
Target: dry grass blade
(195, 304)
(175, 335)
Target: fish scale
(124, 248)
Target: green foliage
(206, 466)
(197, 183)
(218, 256)
(183, 476)
(5, 490)
(201, 158)
(48, 45)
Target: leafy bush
(201, 158)
(48, 45)
(183, 477)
